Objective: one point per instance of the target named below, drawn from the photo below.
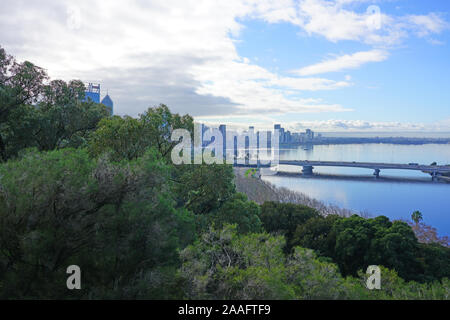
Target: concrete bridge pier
(307, 170)
(434, 175)
(376, 173)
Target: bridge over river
(307, 165)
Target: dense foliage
(78, 187)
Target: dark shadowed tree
(20, 84)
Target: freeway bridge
(307, 165)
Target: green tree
(21, 84)
(224, 265)
(362, 242)
(129, 138)
(416, 216)
(238, 210)
(203, 188)
(120, 137)
(45, 116)
(159, 124)
(284, 218)
(314, 278)
(61, 119)
(115, 220)
(317, 234)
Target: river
(396, 194)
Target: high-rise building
(223, 130)
(309, 134)
(287, 137)
(109, 103)
(93, 92)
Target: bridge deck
(368, 165)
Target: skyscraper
(109, 103)
(93, 92)
(223, 130)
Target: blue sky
(331, 65)
(411, 85)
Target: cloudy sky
(342, 65)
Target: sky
(329, 65)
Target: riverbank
(261, 191)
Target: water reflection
(396, 194)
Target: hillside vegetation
(79, 187)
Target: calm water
(396, 195)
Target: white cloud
(179, 53)
(334, 21)
(424, 25)
(183, 53)
(345, 62)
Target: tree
(238, 210)
(314, 278)
(60, 119)
(159, 123)
(114, 220)
(129, 138)
(416, 216)
(20, 84)
(284, 218)
(317, 234)
(362, 242)
(225, 265)
(203, 188)
(121, 137)
(45, 116)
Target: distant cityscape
(309, 138)
(294, 138)
(93, 93)
(286, 137)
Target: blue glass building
(93, 93)
(109, 103)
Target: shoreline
(365, 178)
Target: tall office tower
(288, 137)
(223, 130)
(309, 134)
(109, 103)
(257, 140)
(277, 126)
(92, 92)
